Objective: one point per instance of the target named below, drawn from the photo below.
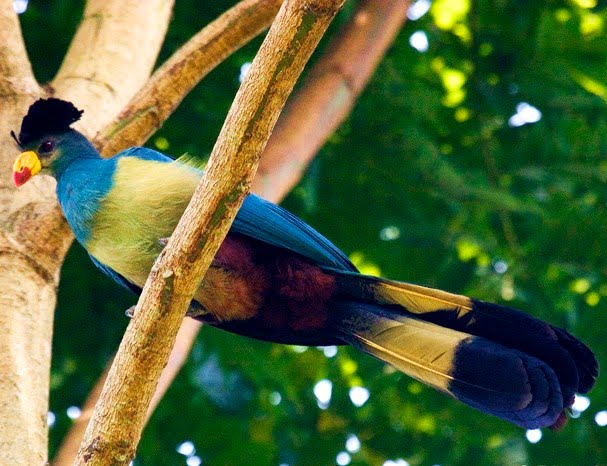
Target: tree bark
(115, 428)
(33, 234)
(16, 75)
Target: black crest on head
(47, 116)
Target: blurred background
(474, 162)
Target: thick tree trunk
(28, 289)
(33, 234)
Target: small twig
(163, 93)
(116, 425)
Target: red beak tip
(20, 178)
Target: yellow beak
(26, 166)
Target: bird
(275, 278)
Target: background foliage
(431, 180)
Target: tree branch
(163, 93)
(117, 422)
(16, 75)
(330, 91)
(111, 56)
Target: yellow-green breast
(144, 205)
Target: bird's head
(46, 139)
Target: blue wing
(267, 222)
(274, 225)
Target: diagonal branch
(117, 422)
(163, 93)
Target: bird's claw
(196, 310)
(163, 242)
(130, 312)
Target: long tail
(493, 358)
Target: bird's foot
(163, 242)
(195, 310)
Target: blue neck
(81, 185)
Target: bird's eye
(46, 147)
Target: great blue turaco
(275, 278)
